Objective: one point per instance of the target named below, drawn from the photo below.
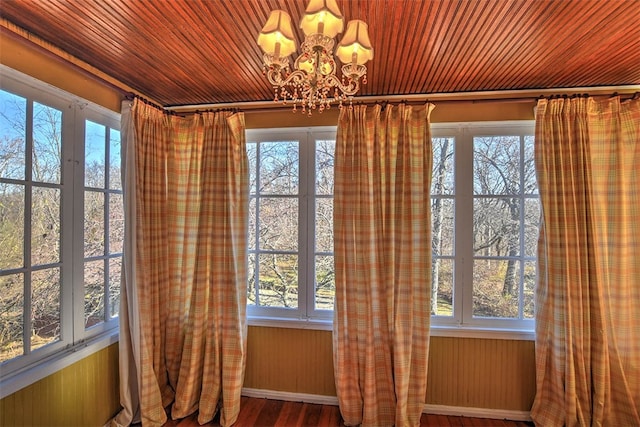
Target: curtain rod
(516, 96)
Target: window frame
(305, 315)
(75, 342)
(464, 196)
(461, 323)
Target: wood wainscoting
(493, 374)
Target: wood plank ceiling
(179, 52)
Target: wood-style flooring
(277, 413)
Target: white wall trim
(463, 411)
(496, 414)
(289, 396)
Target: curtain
(588, 295)
(183, 326)
(383, 263)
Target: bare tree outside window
(504, 175)
(274, 179)
(442, 227)
(103, 223)
(30, 205)
(325, 279)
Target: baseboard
(288, 396)
(463, 411)
(498, 414)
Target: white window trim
(462, 318)
(305, 314)
(57, 356)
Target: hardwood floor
(277, 413)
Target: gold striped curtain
(588, 296)
(187, 326)
(382, 237)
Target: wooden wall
(83, 394)
(467, 372)
(482, 373)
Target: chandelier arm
(298, 77)
(348, 89)
(275, 77)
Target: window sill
(56, 362)
(483, 332)
(291, 323)
(436, 330)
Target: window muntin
(291, 201)
(41, 241)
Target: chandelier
(313, 83)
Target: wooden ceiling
(186, 52)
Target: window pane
(279, 167)
(325, 283)
(442, 176)
(251, 282)
(45, 226)
(251, 156)
(45, 307)
(94, 155)
(324, 225)
(442, 220)
(278, 224)
(114, 159)
(93, 223)
(252, 223)
(531, 226)
(496, 165)
(115, 279)
(11, 226)
(116, 223)
(495, 288)
(47, 143)
(530, 181)
(12, 135)
(324, 166)
(530, 271)
(11, 316)
(94, 282)
(442, 287)
(496, 226)
(278, 280)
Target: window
(291, 223)
(485, 211)
(61, 222)
(485, 215)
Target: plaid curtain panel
(588, 295)
(382, 243)
(191, 273)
